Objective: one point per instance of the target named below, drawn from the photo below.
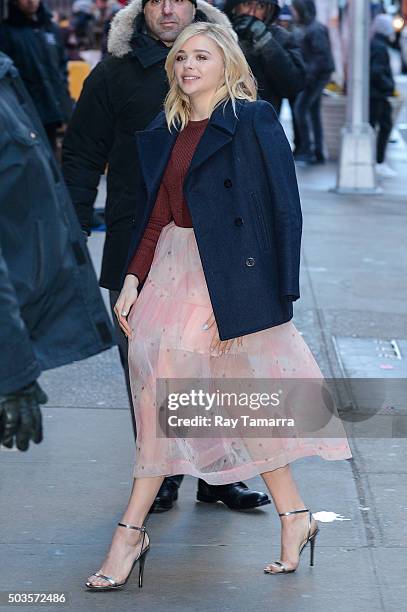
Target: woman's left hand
(220, 346)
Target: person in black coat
(34, 43)
(51, 309)
(271, 51)
(316, 48)
(121, 96)
(381, 88)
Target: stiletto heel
(141, 559)
(311, 538)
(312, 541)
(141, 568)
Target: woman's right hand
(125, 301)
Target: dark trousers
(123, 352)
(380, 116)
(307, 116)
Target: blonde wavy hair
(239, 82)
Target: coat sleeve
(283, 64)
(18, 365)
(86, 147)
(285, 200)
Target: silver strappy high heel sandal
(310, 538)
(141, 559)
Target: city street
(61, 500)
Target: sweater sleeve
(160, 216)
(19, 366)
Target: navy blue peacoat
(242, 193)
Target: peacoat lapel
(155, 143)
(154, 149)
(219, 132)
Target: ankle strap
(293, 512)
(142, 529)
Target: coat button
(238, 221)
(228, 183)
(250, 262)
(33, 135)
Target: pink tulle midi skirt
(168, 342)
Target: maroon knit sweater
(170, 203)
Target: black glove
(20, 416)
(252, 30)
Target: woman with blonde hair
(208, 292)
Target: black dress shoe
(166, 496)
(236, 496)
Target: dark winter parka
(381, 77)
(51, 310)
(242, 193)
(37, 50)
(121, 96)
(314, 41)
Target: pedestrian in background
(316, 49)
(34, 43)
(83, 22)
(381, 88)
(69, 39)
(271, 51)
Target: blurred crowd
(87, 26)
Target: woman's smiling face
(199, 66)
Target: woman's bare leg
(126, 543)
(294, 528)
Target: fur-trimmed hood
(123, 24)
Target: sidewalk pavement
(60, 500)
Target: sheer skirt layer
(169, 343)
